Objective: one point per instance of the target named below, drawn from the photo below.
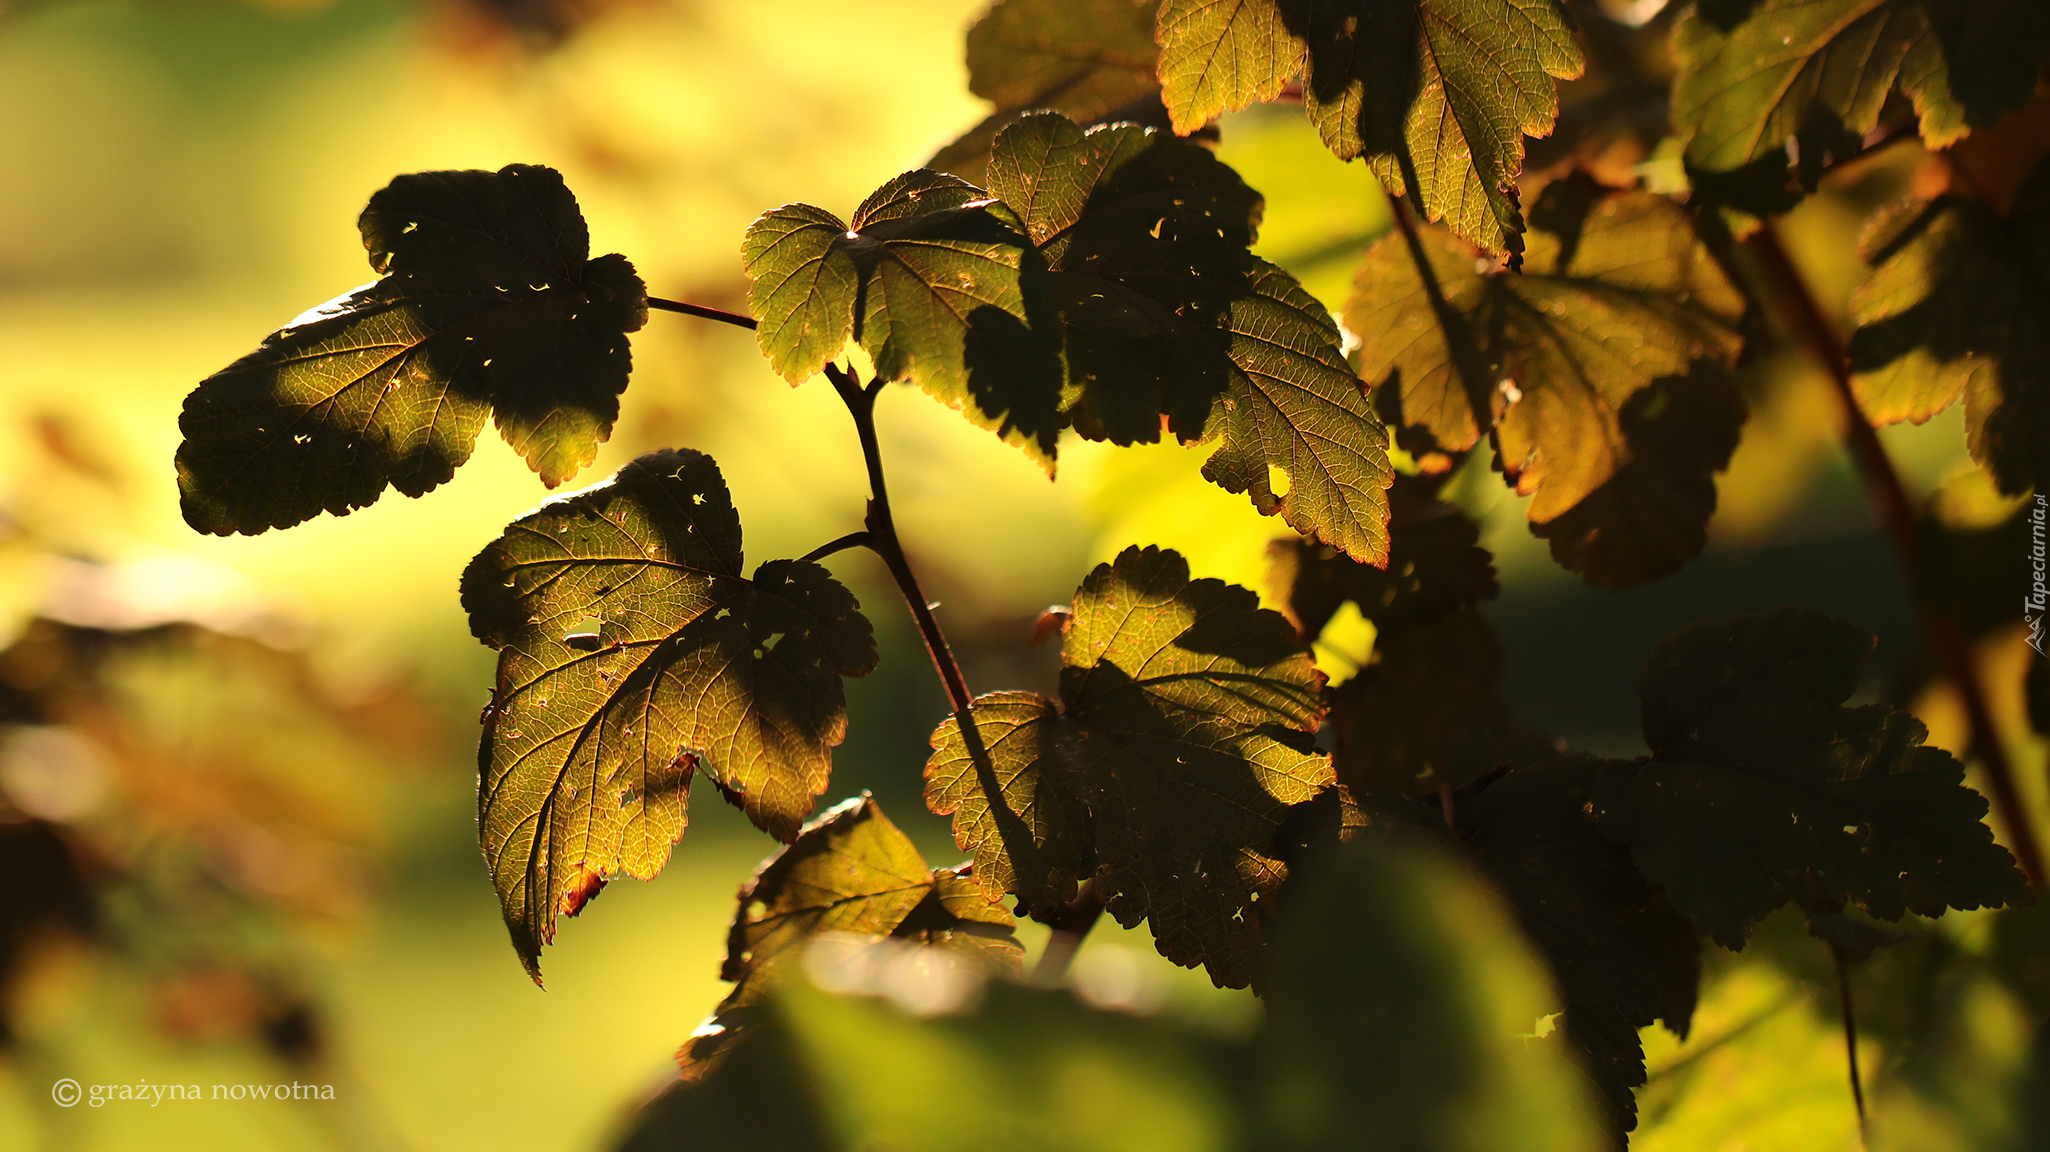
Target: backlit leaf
(1826, 67)
(1457, 84)
(1610, 303)
(1167, 320)
(1181, 741)
(1091, 60)
(849, 871)
(1218, 56)
(486, 305)
(932, 280)
(1955, 305)
(632, 654)
(1763, 787)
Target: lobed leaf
(632, 654)
(1823, 69)
(1453, 86)
(486, 305)
(1763, 787)
(1167, 770)
(850, 871)
(1955, 305)
(933, 281)
(1624, 958)
(1618, 297)
(1169, 325)
(1091, 60)
(1218, 56)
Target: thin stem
(882, 533)
(1069, 928)
(1458, 338)
(851, 540)
(700, 310)
(1890, 501)
(1843, 986)
(1445, 805)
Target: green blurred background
(179, 177)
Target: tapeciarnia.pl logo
(2038, 601)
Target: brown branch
(1069, 927)
(1890, 501)
(882, 534)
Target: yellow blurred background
(179, 177)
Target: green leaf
(1090, 60)
(1825, 68)
(932, 279)
(1622, 955)
(1165, 314)
(1956, 305)
(1181, 740)
(850, 871)
(1610, 303)
(1762, 787)
(1399, 998)
(1456, 84)
(632, 654)
(486, 305)
(1218, 56)
(1436, 566)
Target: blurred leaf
(46, 887)
(1955, 305)
(1087, 59)
(1398, 1000)
(1762, 787)
(759, 1101)
(2037, 688)
(1617, 296)
(487, 304)
(849, 871)
(1166, 318)
(1455, 84)
(1218, 56)
(931, 280)
(1182, 738)
(1623, 956)
(633, 654)
(1824, 68)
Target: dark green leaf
(1956, 305)
(1825, 67)
(1622, 955)
(1165, 314)
(1436, 566)
(932, 280)
(1218, 56)
(1399, 999)
(487, 305)
(1610, 304)
(1088, 59)
(849, 871)
(760, 1101)
(1457, 84)
(1762, 786)
(632, 655)
(1181, 740)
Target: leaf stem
(700, 310)
(1069, 928)
(1466, 358)
(851, 540)
(882, 533)
(1843, 985)
(1890, 501)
